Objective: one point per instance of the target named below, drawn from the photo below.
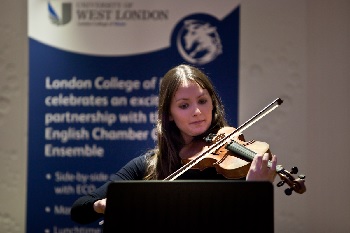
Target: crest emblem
(198, 42)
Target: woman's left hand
(259, 170)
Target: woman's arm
(83, 211)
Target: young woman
(189, 109)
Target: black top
(82, 209)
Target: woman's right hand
(100, 206)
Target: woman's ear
(171, 118)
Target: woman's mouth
(197, 122)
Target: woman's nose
(197, 111)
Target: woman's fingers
(263, 169)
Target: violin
(231, 155)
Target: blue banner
(95, 67)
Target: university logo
(198, 41)
(60, 13)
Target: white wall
(297, 50)
(13, 114)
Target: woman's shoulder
(135, 168)
(143, 158)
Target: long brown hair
(169, 140)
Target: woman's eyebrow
(185, 98)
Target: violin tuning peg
(288, 192)
(301, 176)
(294, 170)
(279, 184)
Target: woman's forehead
(189, 89)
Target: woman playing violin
(189, 109)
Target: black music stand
(191, 205)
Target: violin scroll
(296, 185)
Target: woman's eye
(203, 101)
(183, 106)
